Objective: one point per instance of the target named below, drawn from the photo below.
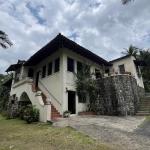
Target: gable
(61, 41)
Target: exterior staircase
(144, 107)
(54, 113)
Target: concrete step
(140, 111)
(145, 102)
(143, 114)
(56, 116)
(147, 107)
(144, 110)
(54, 113)
(144, 106)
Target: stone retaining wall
(117, 95)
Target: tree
(86, 87)
(4, 92)
(4, 40)
(124, 2)
(132, 50)
(145, 55)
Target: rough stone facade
(117, 95)
(141, 91)
(12, 108)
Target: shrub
(66, 114)
(31, 114)
(5, 114)
(21, 112)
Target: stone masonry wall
(12, 108)
(117, 95)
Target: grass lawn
(17, 135)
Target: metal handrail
(49, 92)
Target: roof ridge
(61, 41)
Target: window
(50, 66)
(44, 71)
(83, 68)
(82, 97)
(12, 101)
(56, 66)
(30, 73)
(107, 71)
(79, 67)
(121, 69)
(97, 74)
(70, 65)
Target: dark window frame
(57, 65)
(82, 97)
(98, 74)
(30, 72)
(70, 64)
(121, 69)
(79, 66)
(50, 68)
(44, 71)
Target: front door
(72, 102)
(37, 79)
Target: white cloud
(104, 27)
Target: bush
(31, 114)
(66, 114)
(21, 112)
(5, 114)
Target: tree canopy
(4, 40)
(132, 50)
(145, 55)
(124, 2)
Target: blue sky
(105, 27)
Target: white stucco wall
(129, 67)
(58, 83)
(69, 78)
(25, 85)
(53, 82)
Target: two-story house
(47, 79)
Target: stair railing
(51, 96)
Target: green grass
(148, 118)
(17, 135)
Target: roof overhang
(7, 83)
(61, 41)
(120, 58)
(13, 67)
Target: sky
(105, 27)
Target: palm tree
(4, 40)
(132, 50)
(124, 2)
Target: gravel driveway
(123, 133)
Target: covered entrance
(24, 101)
(72, 102)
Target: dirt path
(126, 133)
